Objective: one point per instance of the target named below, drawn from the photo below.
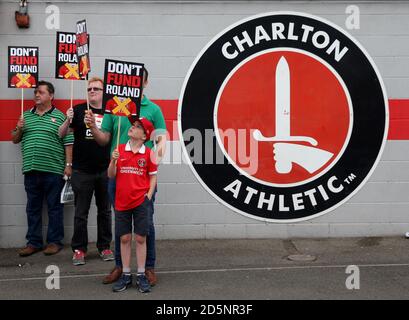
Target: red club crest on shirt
(142, 163)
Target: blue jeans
(150, 238)
(39, 185)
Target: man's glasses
(94, 89)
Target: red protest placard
(66, 62)
(83, 48)
(123, 88)
(22, 67)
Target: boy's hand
(115, 154)
(89, 118)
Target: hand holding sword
(283, 133)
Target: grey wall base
(380, 208)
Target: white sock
(126, 270)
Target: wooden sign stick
(22, 102)
(86, 90)
(119, 132)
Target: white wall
(166, 36)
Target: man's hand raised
(89, 119)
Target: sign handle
(119, 132)
(72, 95)
(86, 91)
(72, 92)
(22, 102)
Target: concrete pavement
(228, 269)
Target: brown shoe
(28, 251)
(51, 249)
(113, 276)
(150, 274)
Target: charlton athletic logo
(142, 163)
(283, 116)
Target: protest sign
(83, 48)
(22, 67)
(66, 62)
(122, 88)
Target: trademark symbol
(350, 178)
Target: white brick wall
(167, 36)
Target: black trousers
(84, 185)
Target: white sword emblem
(282, 99)
(283, 109)
(283, 127)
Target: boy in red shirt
(135, 170)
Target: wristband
(68, 164)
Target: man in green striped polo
(46, 158)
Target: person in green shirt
(46, 158)
(109, 134)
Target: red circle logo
(283, 117)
